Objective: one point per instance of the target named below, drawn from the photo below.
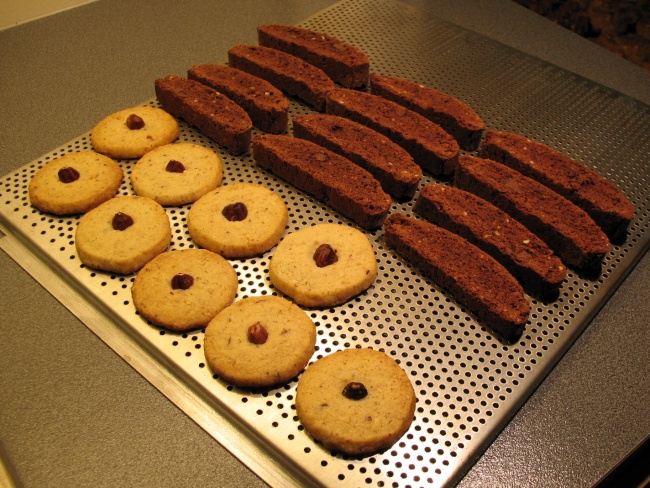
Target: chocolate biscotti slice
(602, 200)
(342, 62)
(453, 115)
(389, 163)
(523, 254)
(475, 279)
(566, 228)
(431, 147)
(267, 106)
(292, 75)
(331, 178)
(214, 114)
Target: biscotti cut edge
(393, 167)
(267, 106)
(214, 114)
(453, 115)
(431, 147)
(567, 229)
(286, 72)
(333, 179)
(475, 279)
(518, 249)
(344, 63)
(601, 199)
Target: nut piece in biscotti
(75, 183)
(355, 401)
(288, 73)
(522, 253)
(267, 106)
(177, 174)
(260, 342)
(566, 228)
(239, 220)
(214, 114)
(475, 279)
(342, 62)
(122, 234)
(331, 178)
(453, 115)
(602, 200)
(185, 289)
(430, 146)
(133, 132)
(393, 167)
(323, 265)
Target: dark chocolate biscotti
(342, 62)
(566, 228)
(331, 178)
(489, 228)
(292, 75)
(214, 114)
(429, 145)
(475, 279)
(602, 200)
(267, 106)
(389, 163)
(453, 115)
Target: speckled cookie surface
(176, 174)
(238, 220)
(101, 246)
(355, 423)
(75, 183)
(185, 289)
(113, 137)
(295, 272)
(288, 334)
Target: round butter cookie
(238, 221)
(183, 290)
(176, 174)
(131, 133)
(356, 401)
(75, 183)
(260, 341)
(323, 265)
(122, 234)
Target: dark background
(621, 26)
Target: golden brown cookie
(323, 265)
(357, 401)
(133, 132)
(176, 174)
(260, 341)
(183, 290)
(122, 234)
(238, 220)
(75, 183)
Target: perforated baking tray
(468, 382)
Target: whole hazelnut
(235, 212)
(122, 221)
(174, 166)
(257, 334)
(68, 174)
(182, 281)
(355, 391)
(134, 122)
(325, 255)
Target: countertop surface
(73, 413)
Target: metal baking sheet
(468, 382)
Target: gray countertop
(73, 413)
